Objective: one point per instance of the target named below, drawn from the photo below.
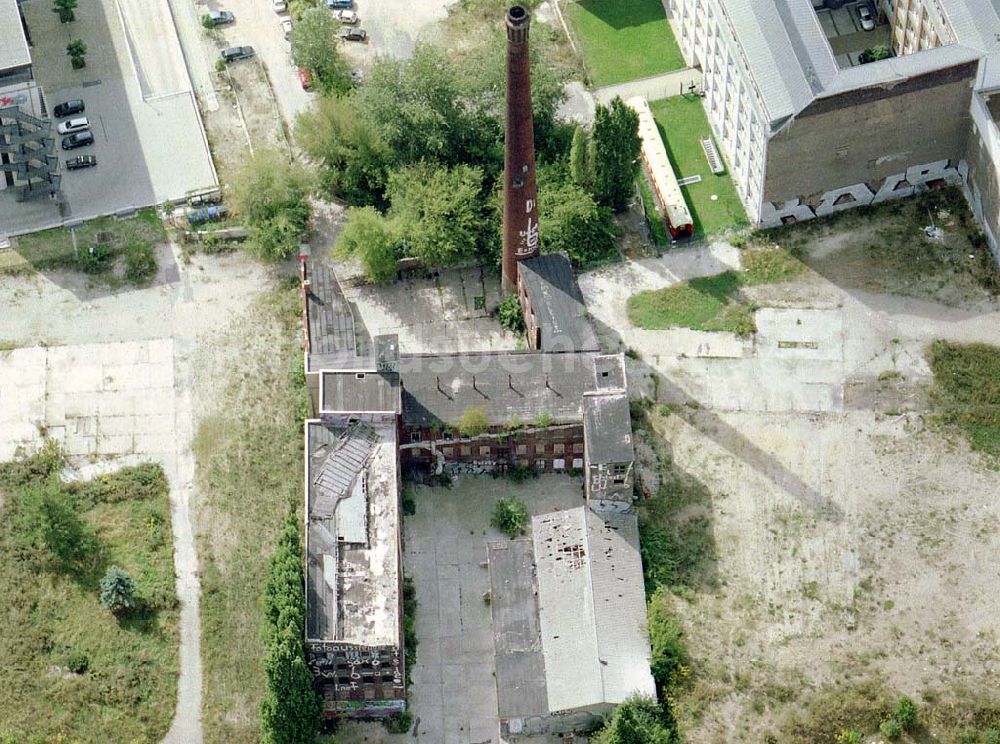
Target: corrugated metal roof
(607, 426)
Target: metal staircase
(28, 145)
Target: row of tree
(290, 710)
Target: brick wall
(867, 135)
(558, 447)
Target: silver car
(865, 17)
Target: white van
(74, 125)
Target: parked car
(305, 78)
(348, 17)
(221, 17)
(79, 139)
(343, 4)
(286, 27)
(81, 161)
(73, 125)
(207, 214)
(280, 6)
(353, 34)
(865, 17)
(68, 108)
(234, 53)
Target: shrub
(509, 314)
(666, 636)
(206, 21)
(906, 712)
(45, 520)
(848, 736)
(140, 262)
(510, 516)
(409, 626)
(638, 719)
(78, 662)
(890, 729)
(473, 422)
(543, 420)
(117, 591)
(409, 502)
(96, 259)
(37, 467)
(399, 723)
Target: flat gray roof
(556, 300)
(360, 390)
(352, 534)
(592, 608)
(14, 50)
(607, 427)
(438, 388)
(516, 636)
(609, 372)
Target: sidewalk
(653, 88)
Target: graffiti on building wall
(896, 186)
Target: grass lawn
(713, 303)
(682, 124)
(249, 470)
(967, 392)
(69, 670)
(50, 249)
(623, 40)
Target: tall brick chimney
(520, 211)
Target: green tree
(290, 710)
(65, 10)
(415, 106)
(76, 50)
(284, 597)
(616, 154)
(638, 720)
(581, 159)
(370, 237)
(570, 221)
(353, 156)
(314, 46)
(473, 421)
(510, 516)
(45, 522)
(117, 591)
(270, 195)
(438, 210)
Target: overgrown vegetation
(270, 196)
(249, 471)
(510, 516)
(409, 626)
(116, 250)
(70, 670)
(884, 248)
(967, 392)
(713, 303)
(638, 720)
(473, 421)
(510, 315)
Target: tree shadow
(621, 14)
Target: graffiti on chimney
(897, 186)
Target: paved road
(653, 88)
